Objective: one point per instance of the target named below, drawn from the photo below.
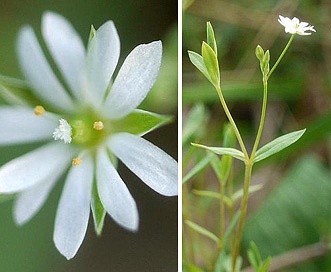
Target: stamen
(98, 125)
(39, 110)
(63, 132)
(76, 161)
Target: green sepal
(278, 144)
(265, 63)
(198, 62)
(223, 151)
(92, 34)
(211, 37)
(17, 92)
(211, 63)
(98, 211)
(140, 122)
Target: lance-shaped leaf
(278, 144)
(198, 62)
(198, 167)
(211, 63)
(223, 151)
(203, 231)
(211, 37)
(140, 122)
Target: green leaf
(201, 230)
(214, 195)
(198, 62)
(211, 63)
(223, 151)
(198, 167)
(278, 144)
(266, 265)
(253, 188)
(98, 210)
(254, 255)
(194, 121)
(140, 122)
(211, 37)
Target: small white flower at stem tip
(63, 132)
(294, 26)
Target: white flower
(294, 26)
(94, 113)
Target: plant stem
(243, 210)
(263, 114)
(281, 56)
(232, 122)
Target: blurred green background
(293, 209)
(154, 247)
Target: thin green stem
(281, 56)
(232, 122)
(263, 114)
(243, 211)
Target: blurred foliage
(299, 97)
(30, 248)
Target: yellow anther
(98, 125)
(39, 110)
(76, 161)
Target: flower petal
(114, 195)
(21, 125)
(66, 48)
(102, 58)
(74, 208)
(28, 170)
(38, 72)
(29, 202)
(134, 80)
(152, 165)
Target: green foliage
(255, 259)
(195, 119)
(211, 38)
(295, 212)
(203, 231)
(140, 122)
(223, 151)
(278, 144)
(211, 63)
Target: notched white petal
(22, 125)
(34, 167)
(74, 208)
(102, 57)
(67, 49)
(30, 201)
(114, 195)
(134, 80)
(152, 165)
(38, 72)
